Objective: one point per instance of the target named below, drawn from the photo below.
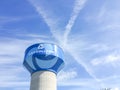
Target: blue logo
(40, 46)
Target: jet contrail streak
(79, 4)
(87, 68)
(49, 20)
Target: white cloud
(74, 49)
(10, 76)
(116, 88)
(9, 59)
(67, 75)
(50, 19)
(106, 17)
(111, 82)
(10, 19)
(88, 83)
(54, 26)
(79, 4)
(35, 36)
(112, 58)
(14, 84)
(13, 72)
(5, 19)
(21, 88)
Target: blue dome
(44, 56)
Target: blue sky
(87, 30)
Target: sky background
(87, 30)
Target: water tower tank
(43, 61)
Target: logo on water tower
(41, 46)
(43, 57)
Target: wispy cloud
(10, 76)
(75, 50)
(11, 54)
(88, 83)
(49, 18)
(70, 78)
(54, 26)
(104, 17)
(11, 19)
(112, 58)
(105, 53)
(6, 19)
(89, 70)
(67, 75)
(14, 84)
(79, 4)
(107, 82)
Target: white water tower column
(43, 61)
(43, 80)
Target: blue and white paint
(42, 57)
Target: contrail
(79, 4)
(51, 21)
(76, 56)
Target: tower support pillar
(43, 80)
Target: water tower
(43, 61)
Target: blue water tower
(43, 61)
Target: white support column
(43, 80)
